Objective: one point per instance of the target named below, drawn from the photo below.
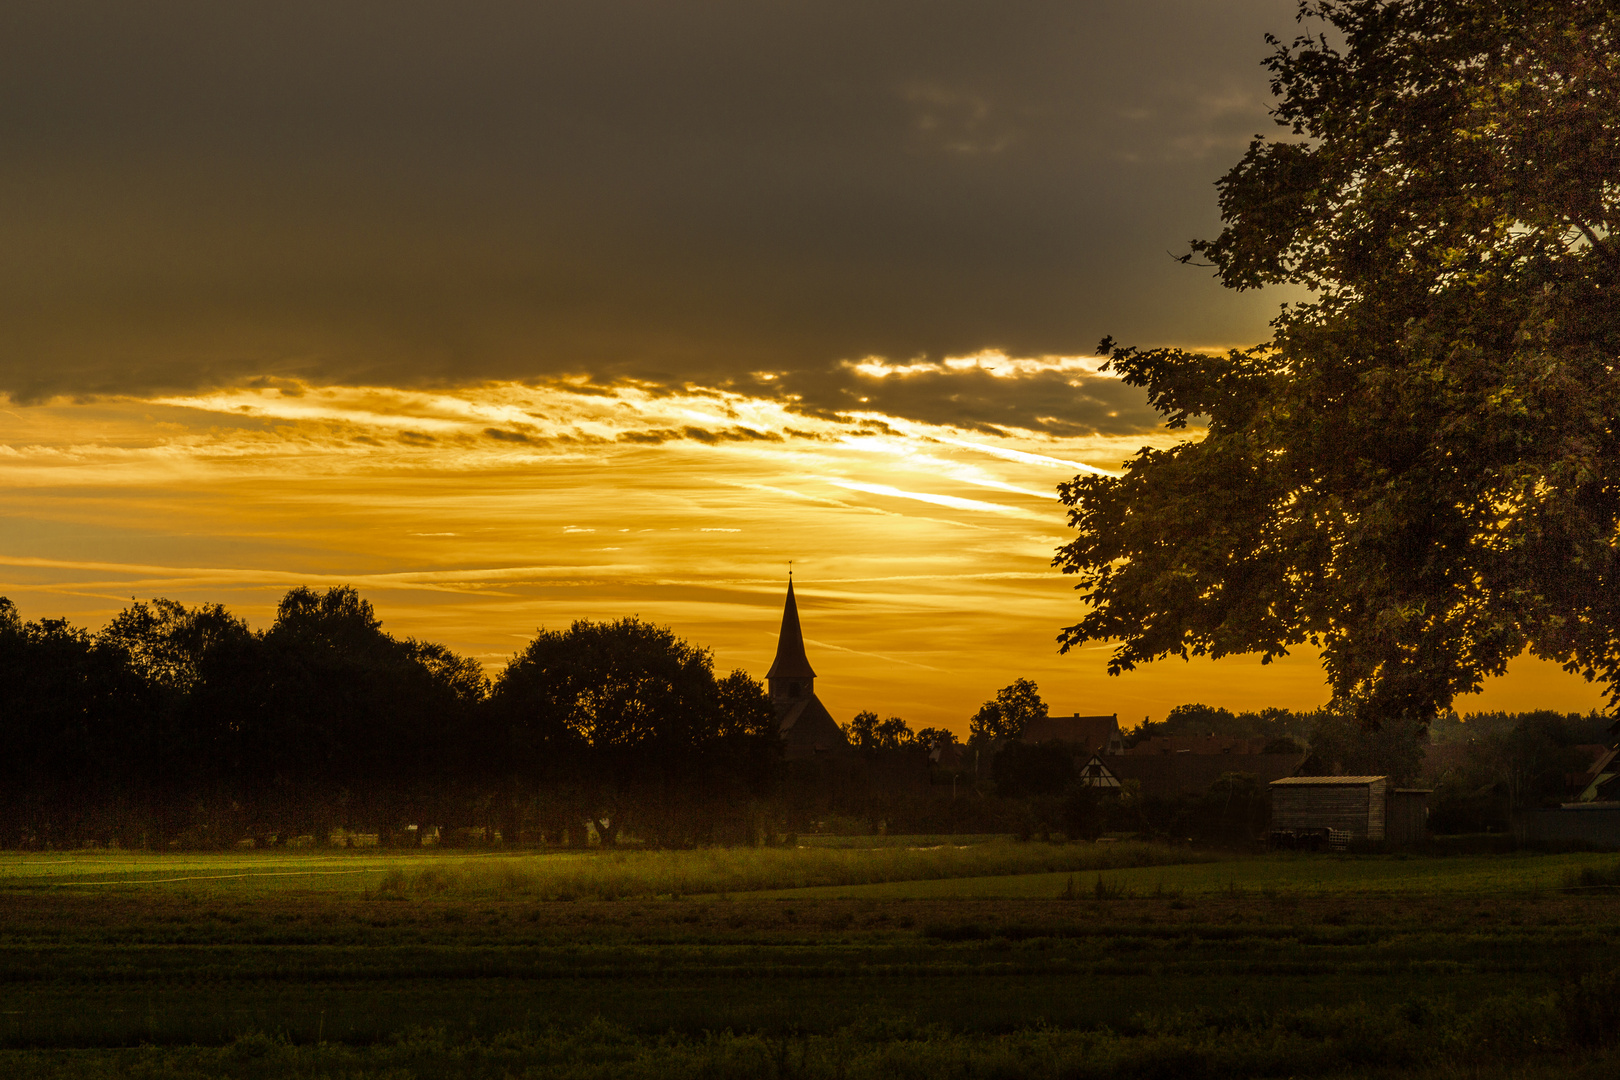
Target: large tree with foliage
(182, 723)
(343, 706)
(1420, 472)
(1007, 714)
(624, 723)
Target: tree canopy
(625, 722)
(183, 725)
(1007, 714)
(1419, 472)
(182, 722)
(867, 732)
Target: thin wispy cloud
(951, 501)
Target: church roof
(807, 728)
(790, 663)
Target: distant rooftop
(1323, 781)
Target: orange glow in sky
(516, 313)
(475, 516)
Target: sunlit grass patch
(903, 868)
(724, 871)
(577, 875)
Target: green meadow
(576, 875)
(890, 868)
(1297, 874)
(929, 956)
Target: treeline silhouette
(184, 726)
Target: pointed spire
(790, 663)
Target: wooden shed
(1407, 819)
(1353, 806)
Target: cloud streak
(950, 501)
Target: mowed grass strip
(574, 875)
(1285, 874)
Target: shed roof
(1324, 781)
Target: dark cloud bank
(197, 193)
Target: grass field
(1476, 966)
(571, 875)
(1327, 875)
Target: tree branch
(1598, 245)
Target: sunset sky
(515, 313)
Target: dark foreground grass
(163, 984)
(1355, 1041)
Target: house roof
(1327, 781)
(1092, 732)
(1600, 789)
(790, 662)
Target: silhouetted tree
(1006, 716)
(867, 732)
(930, 738)
(1342, 744)
(894, 734)
(861, 731)
(634, 725)
(353, 724)
(74, 729)
(1420, 472)
(200, 667)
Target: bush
(1594, 879)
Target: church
(806, 728)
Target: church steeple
(791, 677)
(805, 726)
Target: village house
(1095, 773)
(1165, 767)
(1601, 781)
(1089, 734)
(1592, 819)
